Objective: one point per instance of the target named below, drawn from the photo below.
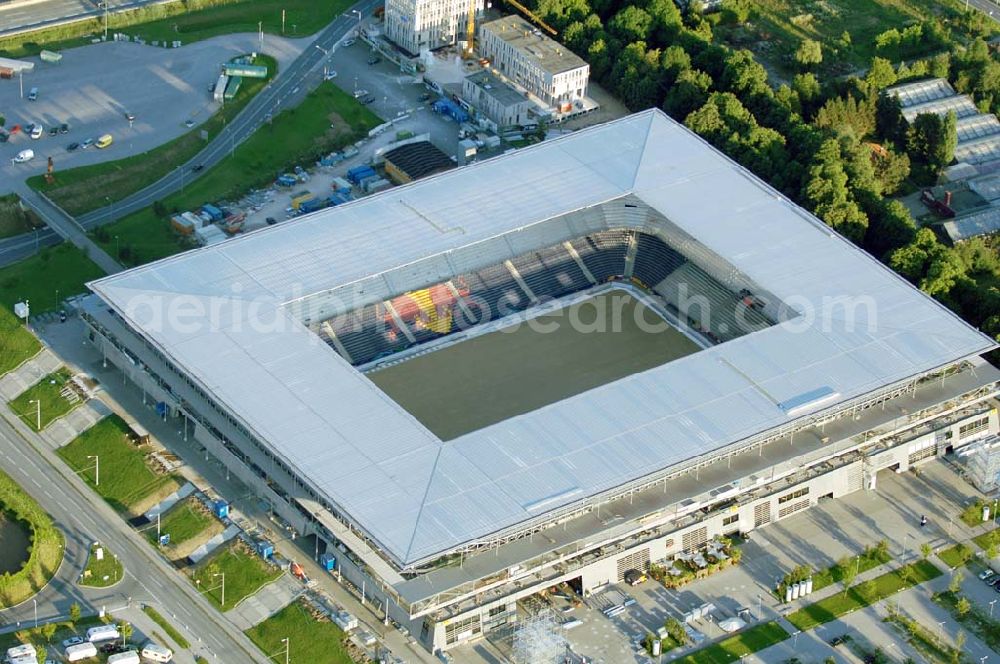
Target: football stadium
(549, 368)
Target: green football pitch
(517, 369)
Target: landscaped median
(863, 594)
(748, 641)
(187, 21)
(171, 631)
(103, 568)
(80, 190)
(45, 401)
(326, 120)
(846, 568)
(309, 636)
(45, 544)
(971, 617)
(128, 480)
(245, 573)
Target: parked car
(993, 580)
(129, 117)
(53, 131)
(32, 94)
(349, 42)
(72, 641)
(104, 141)
(367, 99)
(72, 146)
(24, 156)
(64, 128)
(4, 136)
(330, 75)
(271, 221)
(424, 97)
(374, 60)
(16, 128)
(86, 143)
(838, 640)
(358, 94)
(37, 131)
(986, 574)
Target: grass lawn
(732, 649)
(47, 393)
(206, 18)
(976, 620)
(47, 543)
(295, 136)
(17, 344)
(955, 556)
(861, 595)
(785, 23)
(984, 541)
(126, 478)
(171, 631)
(187, 519)
(245, 574)
(47, 278)
(972, 515)
(101, 573)
(870, 558)
(80, 190)
(13, 219)
(310, 640)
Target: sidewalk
(17, 381)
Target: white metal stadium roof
(418, 497)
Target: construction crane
(470, 29)
(530, 14)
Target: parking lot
(94, 87)
(818, 537)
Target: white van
(24, 156)
(32, 94)
(102, 633)
(127, 657)
(156, 652)
(80, 651)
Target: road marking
(35, 482)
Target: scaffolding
(984, 464)
(539, 640)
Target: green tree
(955, 583)
(962, 607)
(688, 93)
(631, 24)
(926, 550)
(675, 630)
(868, 589)
(74, 612)
(932, 140)
(48, 631)
(807, 87)
(736, 11)
(890, 227)
(890, 125)
(827, 192)
(41, 653)
(891, 170)
(848, 566)
(847, 116)
(881, 74)
(809, 53)
(960, 640)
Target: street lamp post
(34, 604)
(991, 608)
(288, 645)
(97, 469)
(223, 575)
(38, 413)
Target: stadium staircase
(720, 318)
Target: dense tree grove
(838, 148)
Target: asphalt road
(288, 89)
(16, 17)
(84, 517)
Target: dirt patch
(155, 498)
(184, 549)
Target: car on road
(129, 117)
(189, 123)
(197, 167)
(270, 221)
(104, 141)
(986, 574)
(86, 143)
(424, 97)
(367, 99)
(838, 640)
(358, 94)
(996, 586)
(349, 42)
(32, 94)
(73, 641)
(64, 128)
(72, 146)
(23, 156)
(374, 60)
(53, 131)
(37, 131)
(330, 75)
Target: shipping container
(215, 213)
(220, 87)
(232, 87)
(6, 72)
(297, 201)
(182, 225)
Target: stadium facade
(816, 369)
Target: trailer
(312, 205)
(286, 180)
(103, 633)
(214, 213)
(50, 57)
(244, 70)
(219, 92)
(127, 657)
(80, 651)
(6, 72)
(359, 173)
(232, 87)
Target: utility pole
(97, 469)
(260, 34)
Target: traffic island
(43, 544)
(103, 569)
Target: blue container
(265, 549)
(328, 562)
(221, 509)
